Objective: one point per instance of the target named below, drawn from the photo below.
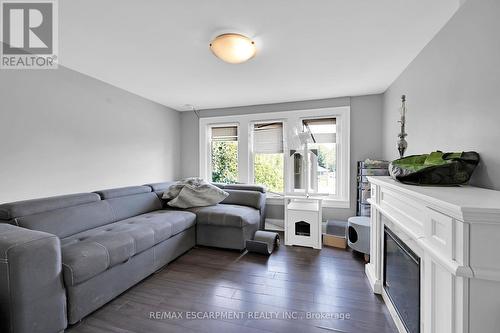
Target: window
(323, 155)
(224, 154)
(268, 159)
(268, 149)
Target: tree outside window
(224, 154)
(268, 157)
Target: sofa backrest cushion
(253, 199)
(68, 221)
(61, 216)
(244, 187)
(13, 210)
(159, 188)
(130, 201)
(122, 191)
(66, 215)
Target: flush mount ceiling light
(233, 48)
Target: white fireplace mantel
(456, 233)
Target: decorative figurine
(402, 144)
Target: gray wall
(189, 143)
(453, 89)
(366, 137)
(64, 132)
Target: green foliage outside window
(268, 171)
(225, 161)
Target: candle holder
(402, 144)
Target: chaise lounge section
(229, 224)
(62, 258)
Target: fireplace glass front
(402, 280)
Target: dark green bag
(436, 168)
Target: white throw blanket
(193, 192)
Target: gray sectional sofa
(63, 257)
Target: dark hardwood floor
(293, 282)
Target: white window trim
(289, 119)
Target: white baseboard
(375, 283)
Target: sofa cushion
(92, 252)
(133, 205)
(226, 215)
(165, 223)
(245, 198)
(13, 210)
(122, 191)
(245, 187)
(68, 221)
(159, 188)
(130, 201)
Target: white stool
(358, 233)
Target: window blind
(268, 138)
(323, 130)
(227, 133)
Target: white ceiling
(307, 49)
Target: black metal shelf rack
(368, 168)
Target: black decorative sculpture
(402, 144)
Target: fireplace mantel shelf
(456, 233)
(470, 203)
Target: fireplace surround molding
(456, 233)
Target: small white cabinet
(303, 222)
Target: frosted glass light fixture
(233, 48)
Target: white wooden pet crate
(303, 221)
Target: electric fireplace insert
(402, 280)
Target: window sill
(273, 199)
